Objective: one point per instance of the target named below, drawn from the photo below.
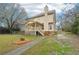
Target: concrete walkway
(25, 47)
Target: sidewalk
(25, 47)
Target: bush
(75, 27)
(4, 30)
(22, 39)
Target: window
(50, 26)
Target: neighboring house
(42, 24)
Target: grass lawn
(49, 46)
(6, 42)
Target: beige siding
(49, 18)
(45, 20)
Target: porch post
(35, 28)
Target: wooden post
(35, 28)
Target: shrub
(4, 30)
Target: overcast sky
(35, 8)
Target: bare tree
(10, 14)
(71, 20)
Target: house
(42, 24)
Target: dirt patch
(72, 40)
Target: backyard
(50, 46)
(53, 31)
(7, 41)
(62, 43)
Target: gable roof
(39, 15)
(42, 14)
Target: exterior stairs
(40, 33)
